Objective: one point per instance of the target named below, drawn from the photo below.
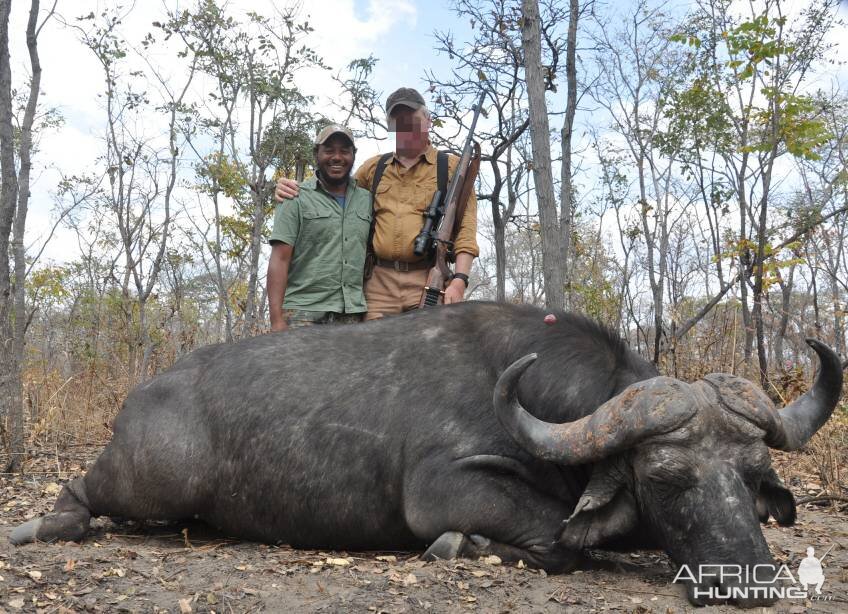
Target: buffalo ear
(606, 511)
(775, 500)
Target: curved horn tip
(512, 374)
(522, 363)
(802, 418)
(825, 353)
(815, 343)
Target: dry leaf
(51, 488)
(492, 559)
(338, 562)
(16, 603)
(521, 565)
(185, 606)
(388, 558)
(410, 579)
(34, 574)
(69, 565)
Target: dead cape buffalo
(409, 432)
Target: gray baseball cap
(407, 97)
(332, 129)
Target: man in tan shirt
(401, 199)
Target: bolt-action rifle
(444, 216)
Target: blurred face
(412, 131)
(334, 158)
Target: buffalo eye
(672, 475)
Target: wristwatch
(461, 276)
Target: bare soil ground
(188, 568)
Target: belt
(403, 266)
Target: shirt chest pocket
(382, 198)
(319, 225)
(421, 192)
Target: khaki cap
(407, 97)
(332, 129)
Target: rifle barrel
(466, 148)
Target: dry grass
(63, 412)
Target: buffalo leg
(453, 544)
(475, 512)
(449, 545)
(67, 522)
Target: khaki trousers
(389, 292)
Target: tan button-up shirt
(403, 196)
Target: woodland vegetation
(679, 176)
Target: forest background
(676, 171)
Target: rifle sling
(442, 175)
(465, 192)
(378, 174)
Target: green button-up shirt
(329, 247)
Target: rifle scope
(424, 241)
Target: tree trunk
(499, 224)
(566, 188)
(759, 271)
(14, 203)
(251, 324)
(786, 288)
(11, 410)
(500, 262)
(744, 258)
(552, 265)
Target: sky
(398, 32)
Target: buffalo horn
(800, 420)
(646, 408)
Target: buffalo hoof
(449, 545)
(69, 526)
(26, 532)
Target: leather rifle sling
(378, 174)
(465, 193)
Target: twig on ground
(822, 498)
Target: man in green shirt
(318, 242)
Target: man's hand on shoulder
(286, 188)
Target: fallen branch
(839, 498)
